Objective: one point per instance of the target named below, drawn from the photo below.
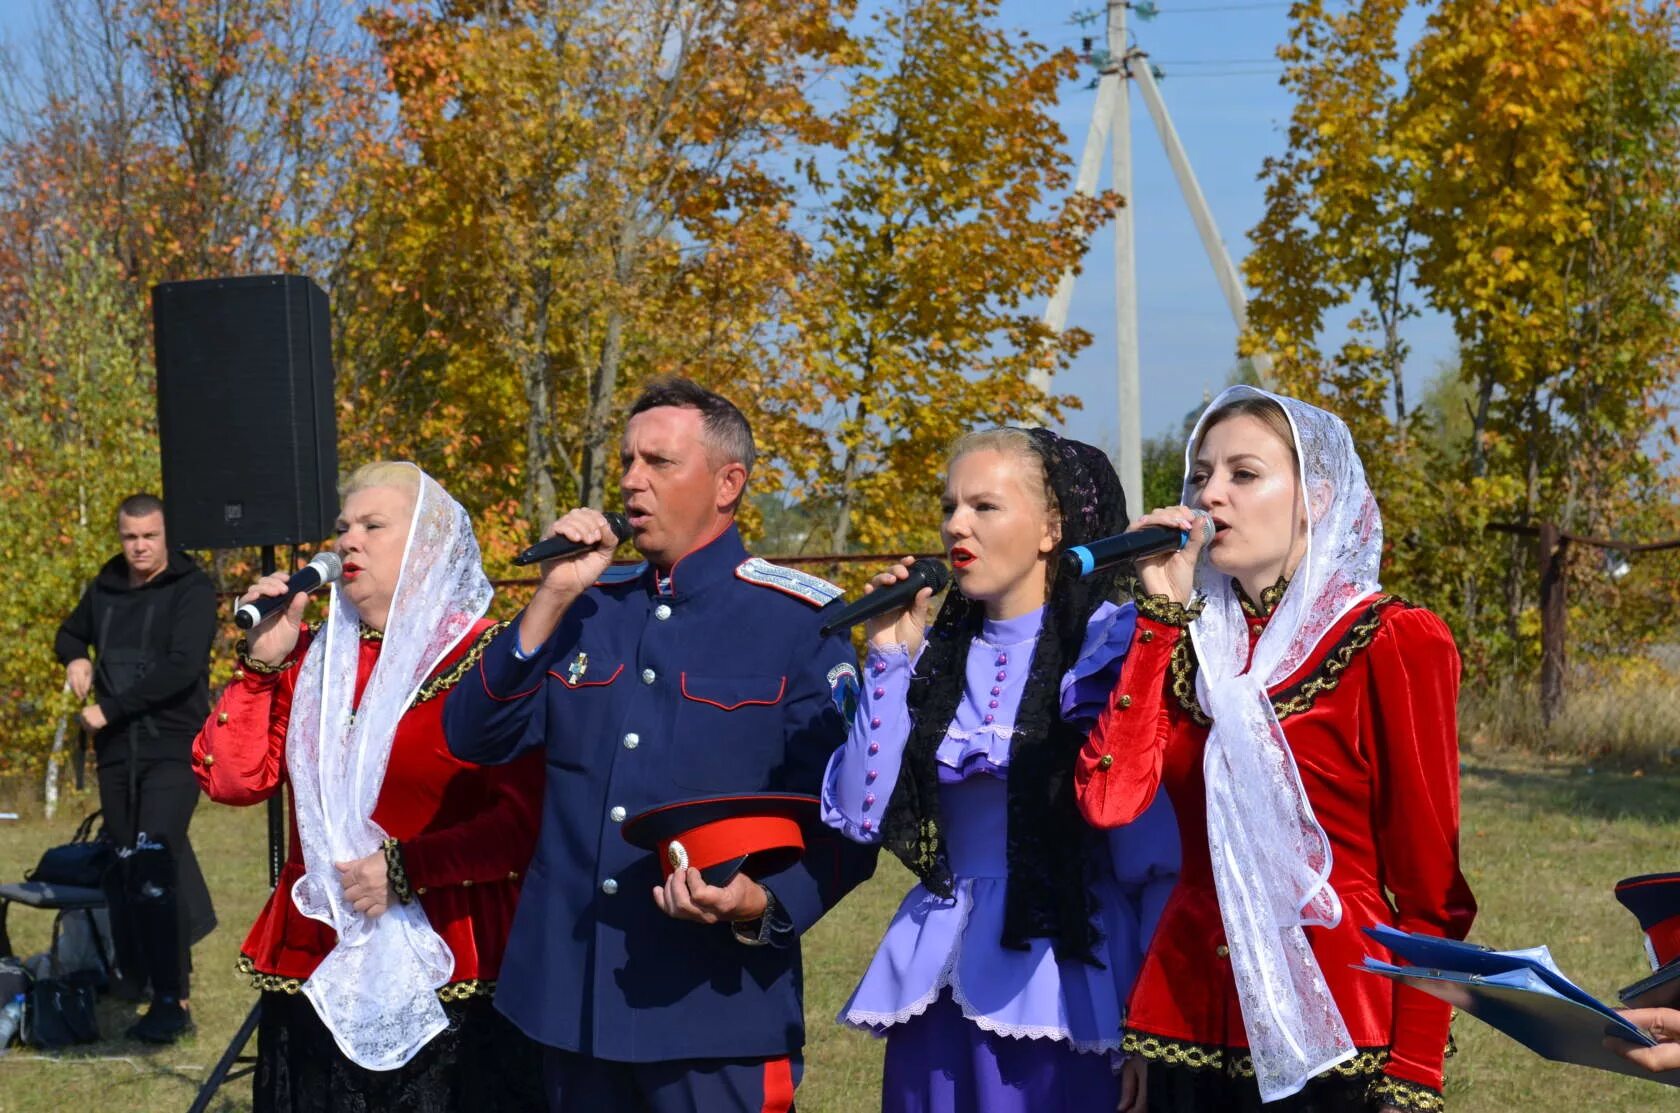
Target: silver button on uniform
(648, 676)
(617, 815)
(662, 612)
(632, 740)
(609, 886)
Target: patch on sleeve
(789, 581)
(843, 689)
(621, 574)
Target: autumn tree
(1524, 183)
(941, 225)
(584, 197)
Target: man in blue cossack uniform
(698, 673)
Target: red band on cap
(711, 843)
(1665, 939)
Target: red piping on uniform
(485, 680)
(672, 574)
(587, 683)
(778, 1085)
(683, 678)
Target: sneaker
(164, 1022)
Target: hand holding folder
(1522, 993)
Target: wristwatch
(748, 935)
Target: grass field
(1542, 845)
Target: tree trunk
(535, 377)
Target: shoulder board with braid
(789, 581)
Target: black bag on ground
(59, 1011)
(82, 861)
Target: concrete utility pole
(1112, 115)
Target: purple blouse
(933, 943)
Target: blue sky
(1221, 88)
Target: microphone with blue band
(1106, 552)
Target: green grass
(1543, 843)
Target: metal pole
(1129, 429)
(276, 802)
(1085, 185)
(1230, 282)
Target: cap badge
(677, 854)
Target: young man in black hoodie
(147, 619)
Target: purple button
(997, 691)
(869, 777)
(869, 799)
(875, 724)
(1003, 658)
(879, 692)
(880, 667)
(988, 719)
(992, 705)
(874, 748)
(868, 826)
(1002, 676)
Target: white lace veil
(376, 990)
(1271, 859)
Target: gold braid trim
(242, 653)
(1269, 598)
(1182, 670)
(451, 676)
(1236, 1061)
(394, 871)
(1166, 612)
(1406, 1095)
(1298, 697)
(274, 983)
(1159, 607)
(368, 633)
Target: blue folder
(1521, 993)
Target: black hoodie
(151, 650)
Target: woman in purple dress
(1001, 983)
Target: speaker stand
(224, 1071)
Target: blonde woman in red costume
(379, 947)
(1304, 724)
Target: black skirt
(481, 1062)
(1176, 1089)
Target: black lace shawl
(1047, 893)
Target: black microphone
(562, 546)
(324, 568)
(926, 572)
(1106, 552)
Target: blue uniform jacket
(641, 698)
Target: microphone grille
(330, 564)
(932, 573)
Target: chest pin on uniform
(579, 666)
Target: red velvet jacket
(465, 832)
(1372, 723)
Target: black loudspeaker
(245, 411)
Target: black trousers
(160, 904)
